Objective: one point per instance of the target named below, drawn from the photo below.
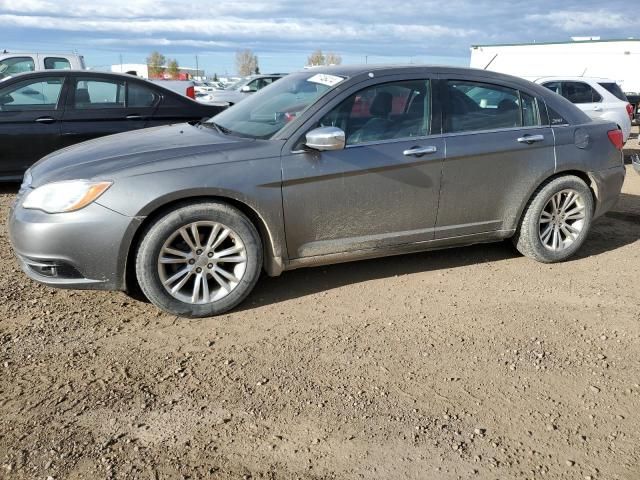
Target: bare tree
(155, 64)
(173, 69)
(332, 58)
(316, 58)
(319, 58)
(246, 62)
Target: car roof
(561, 78)
(48, 73)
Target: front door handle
(529, 139)
(419, 151)
(134, 117)
(45, 120)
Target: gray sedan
(323, 166)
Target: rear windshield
(615, 90)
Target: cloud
(579, 21)
(356, 27)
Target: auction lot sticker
(324, 79)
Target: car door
(97, 106)
(379, 191)
(30, 113)
(497, 146)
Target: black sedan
(45, 111)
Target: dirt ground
(465, 363)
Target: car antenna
(490, 62)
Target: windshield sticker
(324, 79)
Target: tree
(215, 77)
(155, 64)
(316, 58)
(173, 69)
(332, 59)
(246, 62)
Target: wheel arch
(272, 262)
(584, 176)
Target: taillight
(615, 136)
(630, 110)
(191, 92)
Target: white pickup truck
(13, 63)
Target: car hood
(106, 156)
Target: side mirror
(246, 89)
(325, 138)
(4, 99)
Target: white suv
(597, 97)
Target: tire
(533, 239)
(170, 246)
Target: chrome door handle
(529, 139)
(133, 117)
(45, 120)
(418, 151)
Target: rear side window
(40, 94)
(615, 90)
(14, 65)
(579, 92)
(473, 106)
(139, 96)
(54, 63)
(93, 93)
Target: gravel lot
(466, 363)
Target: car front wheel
(557, 220)
(199, 260)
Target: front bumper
(607, 185)
(86, 249)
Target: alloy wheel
(202, 262)
(562, 220)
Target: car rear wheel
(557, 221)
(199, 260)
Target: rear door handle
(529, 139)
(419, 151)
(133, 117)
(45, 120)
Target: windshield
(266, 112)
(237, 84)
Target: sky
(282, 33)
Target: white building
(618, 60)
(141, 69)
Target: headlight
(68, 196)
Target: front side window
(384, 112)
(265, 113)
(93, 93)
(54, 63)
(579, 92)
(555, 87)
(14, 65)
(40, 94)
